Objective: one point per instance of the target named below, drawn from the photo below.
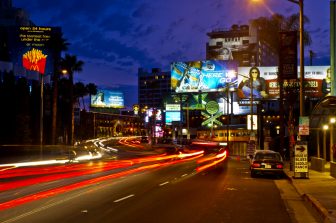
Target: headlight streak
(56, 191)
(215, 160)
(75, 170)
(64, 172)
(67, 188)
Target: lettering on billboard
(203, 76)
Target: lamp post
(325, 128)
(332, 122)
(300, 3)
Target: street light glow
(325, 127)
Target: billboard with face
(203, 76)
(265, 85)
(107, 99)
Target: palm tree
(91, 89)
(79, 92)
(71, 64)
(268, 26)
(60, 44)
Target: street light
(332, 121)
(325, 128)
(300, 3)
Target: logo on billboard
(34, 60)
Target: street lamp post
(325, 128)
(332, 122)
(300, 3)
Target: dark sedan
(266, 162)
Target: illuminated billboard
(107, 99)
(150, 113)
(237, 101)
(266, 85)
(172, 116)
(203, 76)
(32, 49)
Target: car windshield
(268, 156)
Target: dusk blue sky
(116, 37)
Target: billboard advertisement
(107, 99)
(203, 76)
(265, 87)
(32, 49)
(172, 116)
(265, 82)
(151, 112)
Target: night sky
(116, 37)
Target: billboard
(172, 116)
(107, 99)
(237, 101)
(151, 112)
(203, 76)
(32, 49)
(266, 85)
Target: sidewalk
(319, 190)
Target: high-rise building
(241, 43)
(153, 87)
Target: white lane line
(124, 198)
(167, 182)
(184, 175)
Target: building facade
(153, 87)
(240, 43)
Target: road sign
(301, 160)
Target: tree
(79, 92)
(268, 26)
(60, 44)
(91, 89)
(71, 64)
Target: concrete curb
(322, 211)
(313, 202)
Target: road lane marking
(124, 198)
(167, 182)
(184, 175)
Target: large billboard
(265, 87)
(32, 49)
(203, 76)
(107, 99)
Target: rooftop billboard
(203, 76)
(107, 99)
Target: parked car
(266, 162)
(144, 139)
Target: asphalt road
(171, 193)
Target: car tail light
(279, 166)
(256, 165)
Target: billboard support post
(41, 117)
